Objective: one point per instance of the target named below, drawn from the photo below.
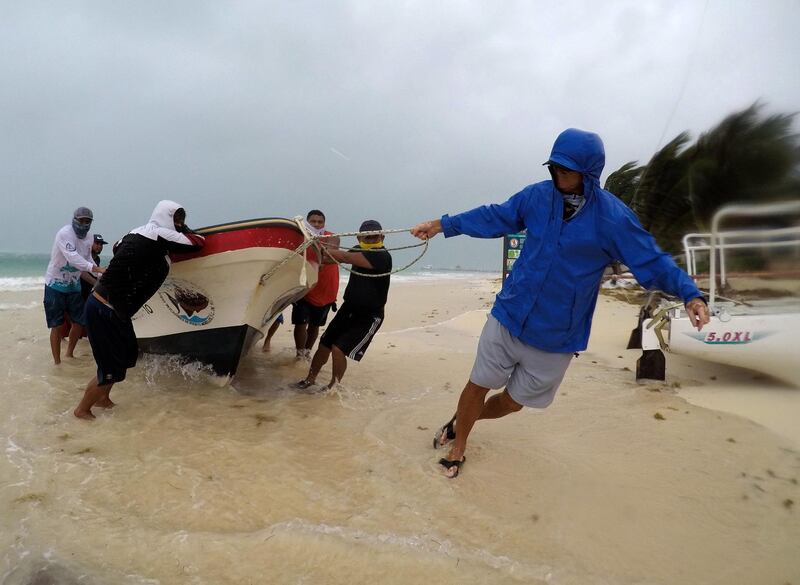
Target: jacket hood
(581, 151)
(164, 212)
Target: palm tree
(661, 199)
(624, 181)
(746, 157)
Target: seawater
(22, 265)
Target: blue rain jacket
(549, 298)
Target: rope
(377, 249)
(409, 265)
(313, 240)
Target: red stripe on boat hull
(256, 237)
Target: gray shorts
(530, 375)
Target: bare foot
(107, 403)
(85, 415)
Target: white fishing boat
(761, 334)
(217, 302)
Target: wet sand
(184, 482)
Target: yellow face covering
(365, 246)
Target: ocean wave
(19, 306)
(21, 283)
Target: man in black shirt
(361, 315)
(88, 280)
(139, 267)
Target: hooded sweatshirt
(141, 260)
(549, 298)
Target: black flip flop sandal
(445, 434)
(448, 465)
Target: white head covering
(162, 218)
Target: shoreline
(718, 387)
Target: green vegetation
(748, 157)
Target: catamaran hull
(215, 305)
(765, 343)
(761, 334)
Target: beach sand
(618, 482)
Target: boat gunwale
(265, 222)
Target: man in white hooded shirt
(139, 266)
(69, 258)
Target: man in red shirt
(311, 312)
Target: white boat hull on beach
(215, 304)
(763, 342)
(761, 335)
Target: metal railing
(717, 242)
(766, 238)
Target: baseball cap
(98, 239)
(370, 225)
(83, 213)
(559, 165)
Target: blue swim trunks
(57, 304)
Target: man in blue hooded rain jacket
(543, 314)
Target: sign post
(512, 247)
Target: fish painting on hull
(187, 301)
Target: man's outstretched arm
(655, 269)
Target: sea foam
(21, 283)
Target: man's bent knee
(512, 404)
(473, 387)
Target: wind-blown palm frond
(624, 181)
(656, 191)
(744, 158)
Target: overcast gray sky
(398, 111)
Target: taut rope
(313, 240)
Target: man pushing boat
(139, 266)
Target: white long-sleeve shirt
(70, 256)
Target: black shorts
(113, 341)
(304, 312)
(351, 332)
